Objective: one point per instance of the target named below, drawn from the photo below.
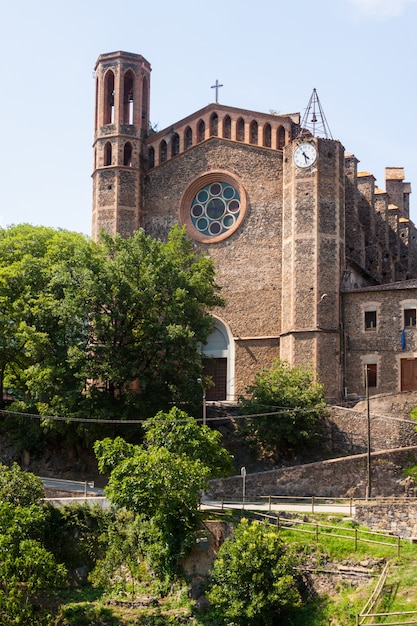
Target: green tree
(253, 579)
(153, 481)
(149, 314)
(40, 275)
(288, 406)
(104, 330)
(18, 487)
(179, 433)
(162, 480)
(122, 564)
(28, 570)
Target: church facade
(318, 266)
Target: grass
(343, 600)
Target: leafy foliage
(154, 481)
(18, 487)
(104, 330)
(162, 479)
(253, 578)
(294, 402)
(27, 568)
(179, 433)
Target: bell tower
(313, 257)
(121, 125)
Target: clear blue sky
(360, 55)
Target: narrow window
(175, 144)
(128, 85)
(267, 135)
(227, 127)
(127, 154)
(214, 125)
(163, 151)
(281, 137)
(145, 104)
(240, 130)
(409, 317)
(254, 132)
(370, 320)
(107, 154)
(201, 131)
(151, 157)
(371, 372)
(188, 138)
(108, 98)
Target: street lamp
(200, 382)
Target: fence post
(398, 546)
(278, 521)
(312, 504)
(270, 503)
(356, 539)
(350, 507)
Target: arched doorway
(219, 363)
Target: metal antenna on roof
(314, 121)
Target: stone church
(317, 265)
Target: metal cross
(216, 87)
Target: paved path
(308, 507)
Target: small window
(175, 144)
(409, 317)
(201, 131)
(107, 154)
(163, 151)
(227, 127)
(267, 135)
(240, 130)
(370, 320)
(127, 154)
(214, 125)
(371, 371)
(188, 138)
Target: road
(310, 505)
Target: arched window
(254, 132)
(219, 362)
(127, 154)
(227, 127)
(267, 136)
(175, 144)
(151, 158)
(128, 85)
(188, 140)
(280, 137)
(163, 151)
(201, 131)
(107, 154)
(108, 109)
(214, 125)
(240, 130)
(145, 104)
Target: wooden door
(217, 370)
(408, 374)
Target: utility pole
(368, 420)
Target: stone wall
(334, 478)
(398, 518)
(390, 423)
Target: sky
(360, 56)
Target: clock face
(305, 155)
